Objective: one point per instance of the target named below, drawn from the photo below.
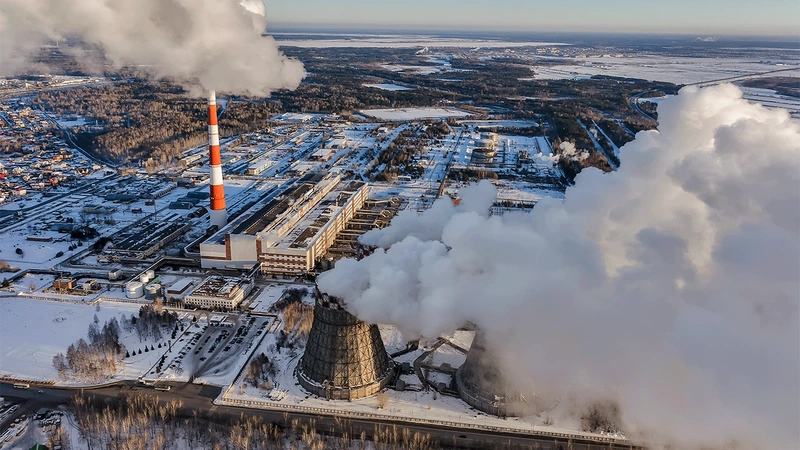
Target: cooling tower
(345, 358)
(481, 383)
(218, 213)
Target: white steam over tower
(218, 213)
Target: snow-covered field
(33, 331)
(772, 99)
(389, 87)
(398, 41)
(677, 70)
(403, 114)
(499, 123)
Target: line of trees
(151, 323)
(93, 360)
(261, 371)
(140, 422)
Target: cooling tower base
(330, 392)
(344, 358)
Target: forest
(152, 123)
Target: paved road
(633, 101)
(199, 398)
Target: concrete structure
(345, 358)
(290, 233)
(481, 383)
(218, 212)
(217, 292)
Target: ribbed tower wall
(345, 358)
(483, 386)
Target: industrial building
(291, 232)
(146, 238)
(345, 358)
(483, 386)
(259, 165)
(218, 292)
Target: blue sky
(664, 16)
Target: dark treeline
(151, 323)
(143, 120)
(139, 422)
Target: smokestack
(219, 215)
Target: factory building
(345, 358)
(290, 233)
(259, 165)
(218, 292)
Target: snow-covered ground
(406, 405)
(405, 114)
(267, 297)
(389, 87)
(33, 331)
(446, 354)
(498, 123)
(678, 70)
(399, 41)
(772, 99)
(523, 191)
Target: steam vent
(345, 358)
(482, 385)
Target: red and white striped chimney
(219, 214)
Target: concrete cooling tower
(481, 383)
(345, 358)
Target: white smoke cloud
(208, 44)
(671, 285)
(571, 153)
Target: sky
(737, 17)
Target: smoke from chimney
(671, 286)
(201, 44)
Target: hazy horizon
(680, 17)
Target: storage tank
(152, 291)
(150, 274)
(134, 290)
(144, 278)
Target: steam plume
(208, 44)
(671, 285)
